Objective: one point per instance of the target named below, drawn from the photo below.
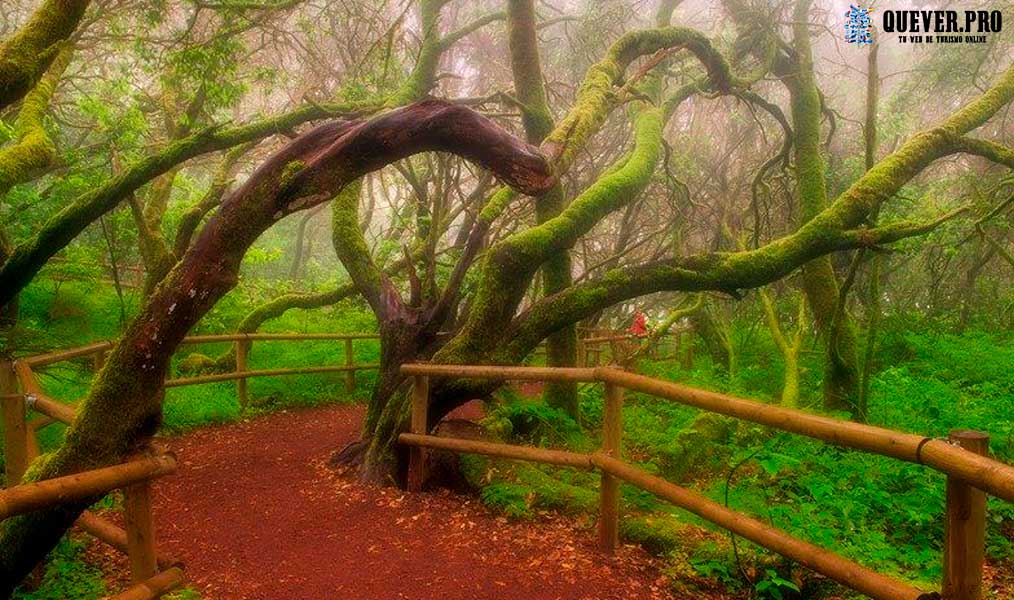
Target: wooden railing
(962, 458)
(152, 575)
(592, 344)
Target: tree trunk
(715, 335)
(561, 345)
(841, 368)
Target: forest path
(255, 514)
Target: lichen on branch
(33, 149)
(28, 54)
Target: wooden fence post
(31, 444)
(241, 350)
(609, 494)
(965, 533)
(582, 356)
(140, 531)
(350, 360)
(420, 414)
(15, 427)
(98, 360)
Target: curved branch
(596, 97)
(517, 258)
(455, 36)
(997, 153)
(832, 229)
(30, 256)
(34, 149)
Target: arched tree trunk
(123, 407)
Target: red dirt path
(255, 514)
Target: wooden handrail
(155, 587)
(823, 561)
(114, 536)
(37, 400)
(496, 372)
(989, 475)
(105, 345)
(847, 572)
(51, 408)
(62, 355)
(984, 473)
(540, 455)
(266, 373)
(47, 493)
(253, 337)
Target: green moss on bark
(34, 149)
(27, 54)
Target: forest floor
(255, 513)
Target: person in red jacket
(640, 325)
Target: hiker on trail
(639, 326)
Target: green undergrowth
(68, 576)
(882, 513)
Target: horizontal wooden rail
(62, 355)
(103, 346)
(39, 495)
(37, 400)
(984, 473)
(266, 373)
(613, 338)
(840, 569)
(113, 535)
(966, 469)
(51, 408)
(155, 587)
(501, 373)
(541, 455)
(253, 337)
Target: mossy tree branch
(516, 258)
(29, 256)
(27, 55)
(508, 267)
(820, 283)
(837, 227)
(997, 153)
(33, 149)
